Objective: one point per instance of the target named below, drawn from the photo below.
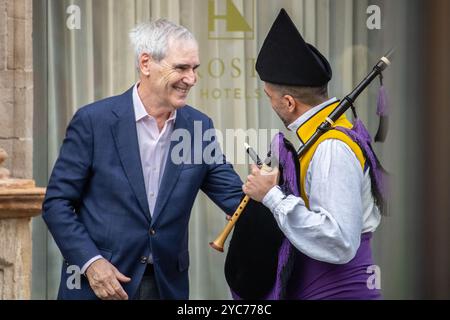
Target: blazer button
(152, 232)
(144, 259)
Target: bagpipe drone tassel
(382, 112)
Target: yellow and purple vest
(307, 129)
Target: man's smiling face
(172, 77)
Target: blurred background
(81, 53)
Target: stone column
(19, 201)
(16, 85)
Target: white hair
(153, 38)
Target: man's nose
(190, 78)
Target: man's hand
(104, 280)
(259, 183)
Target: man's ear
(290, 102)
(144, 64)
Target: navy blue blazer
(96, 201)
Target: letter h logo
(226, 22)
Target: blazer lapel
(171, 171)
(125, 137)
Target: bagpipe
(259, 258)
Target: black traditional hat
(285, 58)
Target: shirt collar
(139, 109)
(297, 123)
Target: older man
(119, 200)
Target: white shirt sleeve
(90, 261)
(331, 230)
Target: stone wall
(19, 199)
(16, 86)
